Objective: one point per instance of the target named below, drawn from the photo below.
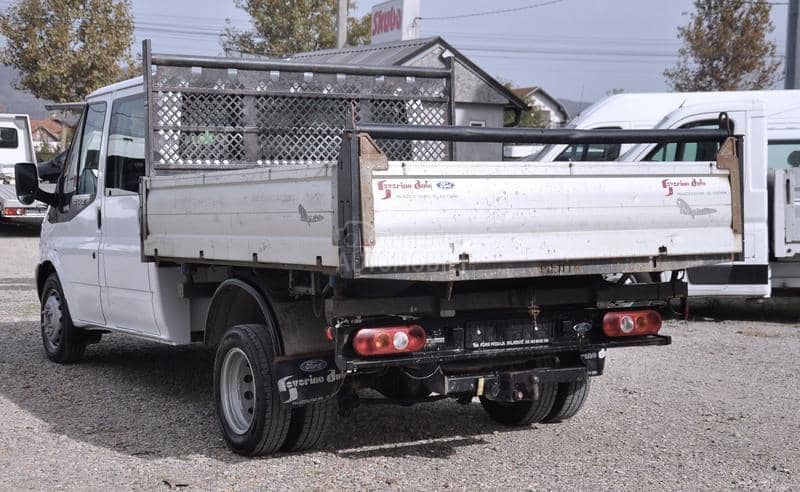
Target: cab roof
(125, 84)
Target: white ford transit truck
(309, 223)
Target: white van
(646, 110)
(769, 261)
(16, 145)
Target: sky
(575, 49)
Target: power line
(492, 12)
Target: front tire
(249, 411)
(63, 342)
(523, 412)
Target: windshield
(538, 156)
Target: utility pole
(792, 78)
(341, 24)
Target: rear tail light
(12, 211)
(389, 340)
(631, 323)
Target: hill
(15, 101)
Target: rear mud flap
(306, 379)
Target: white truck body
(308, 223)
(16, 145)
(556, 218)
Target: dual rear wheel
(251, 416)
(557, 402)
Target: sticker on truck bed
(413, 188)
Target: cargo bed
(371, 199)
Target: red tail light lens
(631, 323)
(14, 211)
(389, 340)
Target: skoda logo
(445, 185)
(313, 365)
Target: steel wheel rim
(52, 322)
(237, 391)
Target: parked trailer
(307, 221)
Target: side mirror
(26, 176)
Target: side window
(125, 162)
(71, 163)
(591, 152)
(89, 165)
(83, 164)
(687, 152)
(9, 138)
(783, 154)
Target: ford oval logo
(445, 185)
(313, 365)
(582, 328)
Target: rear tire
(252, 419)
(63, 342)
(570, 398)
(523, 412)
(310, 425)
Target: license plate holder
(493, 334)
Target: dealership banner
(395, 20)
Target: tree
(725, 47)
(536, 117)
(282, 28)
(65, 49)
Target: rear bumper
(493, 357)
(31, 218)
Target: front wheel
(63, 342)
(522, 412)
(250, 414)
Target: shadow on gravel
(14, 230)
(774, 310)
(152, 401)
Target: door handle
(99, 219)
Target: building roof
(398, 53)
(50, 125)
(536, 91)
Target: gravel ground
(718, 409)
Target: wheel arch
(236, 302)
(43, 270)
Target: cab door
(75, 226)
(127, 293)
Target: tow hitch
(507, 386)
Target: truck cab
(92, 239)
